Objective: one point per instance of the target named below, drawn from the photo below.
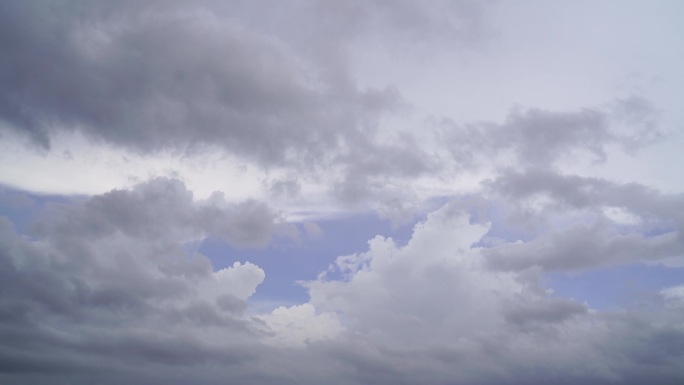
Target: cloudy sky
(343, 192)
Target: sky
(344, 192)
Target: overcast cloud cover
(519, 141)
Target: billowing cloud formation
(523, 146)
(105, 282)
(129, 302)
(125, 250)
(435, 310)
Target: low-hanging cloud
(110, 288)
(130, 304)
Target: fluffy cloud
(121, 256)
(127, 300)
(432, 311)
(301, 324)
(289, 97)
(106, 282)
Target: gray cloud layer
(105, 289)
(165, 75)
(272, 84)
(168, 75)
(128, 304)
(537, 137)
(599, 241)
